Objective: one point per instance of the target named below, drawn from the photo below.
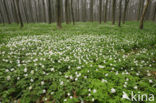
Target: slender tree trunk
(100, 10)
(14, 12)
(66, 11)
(25, 10)
(91, 10)
(7, 12)
(2, 18)
(105, 15)
(125, 10)
(59, 17)
(72, 12)
(143, 14)
(49, 11)
(19, 14)
(139, 10)
(120, 9)
(154, 12)
(113, 12)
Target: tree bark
(154, 12)
(125, 10)
(7, 12)
(143, 14)
(105, 15)
(100, 9)
(113, 12)
(66, 11)
(120, 9)
(49, 12)
(19, 14)
(58, 17)
(72, 12)
(91, 10)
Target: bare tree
(100, 9)
(72, 12)
(58, 15)
(91, 10)
(67, 11)
(19, 13)
(113, 11)
(143, 14)
(105, 15)
(7, 12)
(120, 9)
(49, 11)
(125, 10)
(154, 12)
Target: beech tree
(125, 10)
(120, 10)
(143, 14)
(105, 15)
(72, 12)
(19, 13)
(59, 16)
(113, 11)
(100, 9)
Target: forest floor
(86, 63)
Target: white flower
(68, 94)
(6, 70)
(150, 81)
(104, 81)
(52, 69)
(148, 74)
(124, 96)
(45, 99)
(52, 93)
(93, 99)
(30, 87)
(31, 80)
(25, 69)
(100, 66)
(106, 74)
(71, 97)
(8, 77)
(135, 87)
(61, 83)
(42, 82)
(65, 100)
(89, 94)
(76, 79)
(94, 91)
(125, 85)
(113, 90)
(32, 72)
(44, 91)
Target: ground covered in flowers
(84, 63)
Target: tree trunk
(58, 17)
(66, 11)
(91, 10)
(19, 14)
(113, 12)
(7, 12)
(100, 9)
(49, 11)
(154, 12)
(143, 14)
(105, 15)
(72, 12)
(120, 9)
(125, 10)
